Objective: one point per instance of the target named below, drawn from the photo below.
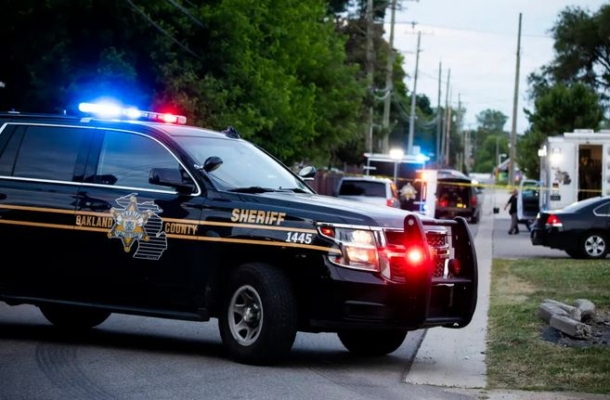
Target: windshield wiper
(294, 190)
(260, 189)
(253, 189)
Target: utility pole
(439, 118)
(369, 74)
(413, 98)
(389, 87)
(458, 129)
(513, 132)
(447, 119)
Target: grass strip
(518, 356)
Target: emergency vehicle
(574, 167)
(442, 194)
(407, 171)
(118, 210)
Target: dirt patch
(512, 290)
(600, 333)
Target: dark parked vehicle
(457, 197)
(581, 229)
(139, 213)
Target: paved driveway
(515, 246)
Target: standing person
(511, 204)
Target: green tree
(354, 25)
(558, 109)
(275, 69)
(568, 92)
(490, 131)
(563, 108)
(58, 53)
(582, 51)
(491, 120)
(490, 151)
(527, 154)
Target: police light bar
(109, 110)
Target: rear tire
(474, 219)
(258, 317)
(594, 245)
(74, 318)
(372, 343)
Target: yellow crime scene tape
(494, 186)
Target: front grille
(438, 243)
(437, 240)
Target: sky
(476, 42)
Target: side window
(126, 159)
(10, 139)
(603, 210)
(46, 152)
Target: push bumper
(421, 299)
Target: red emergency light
(114, 111)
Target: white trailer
(573, 167)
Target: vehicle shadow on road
(518, 246)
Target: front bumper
(452, 212)
(416, 298)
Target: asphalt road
(516, 246)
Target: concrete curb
(456, 357)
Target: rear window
(603, 209)
(453, 191)
(581, 204)
(362, 188)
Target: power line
(186, 12)
(163, 31)
(473, 30)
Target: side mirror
(212, 163)
(308, 172)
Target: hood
(321, 208)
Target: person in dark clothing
(511, 204)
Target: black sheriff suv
(136, 212)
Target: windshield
(362, 188)
(244, 166)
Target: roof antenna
(231, 132)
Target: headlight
(358, 247)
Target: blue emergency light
(115, 111)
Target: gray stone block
(586, 307)
(570, 326)
(547, 309)
(568, 308)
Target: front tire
(72, 318)
(594, 245)
(258, 318)
(372, 343)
